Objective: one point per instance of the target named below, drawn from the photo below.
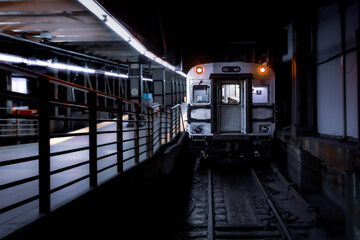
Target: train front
(231, 110)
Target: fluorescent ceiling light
(70, 67)
(181, 73)
(11, 58)
(41, 63)
(36, 62)
(111, 22)
(116, 75)
(147, 79)
(150, 55)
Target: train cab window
(201, 94)
(230, 93)
(260, 94)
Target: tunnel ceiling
(71, 26)
(211, 31)
(194, 31)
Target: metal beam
(40, 6)
(32, 14)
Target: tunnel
(189, 120)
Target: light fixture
(116, 74)
(262, 69)
(11, 58)
(147, 79)
(70, 67)
(181, 73)
(199, 69)
(119, 29)
(35, 62)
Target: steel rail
(211, 210)
(282, 225)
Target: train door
(232, 100)
(231, 106)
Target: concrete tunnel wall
(322, 145)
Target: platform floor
(14, 219)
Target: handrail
(112, 143)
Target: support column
(358, 78)
(159, 85)
(5, 85)
(177, 90)
(169, 89)
(303, 80)
(183, 89)
(352, 206)
(136, 82)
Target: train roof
(259, 71)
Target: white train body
(231, 108)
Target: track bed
(246, 203)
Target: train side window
(260, 94)
(201, 94)
(230, 93)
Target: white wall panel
(351, 98)
(330, 98)
(330, 102)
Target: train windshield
(201, 94)
(230, 93)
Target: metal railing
(17, 127)
(55, 167)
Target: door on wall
(231, 106)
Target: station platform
(17, 218)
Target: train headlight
(264, 128)
(197, 129)
(199, 69)
(262, 69)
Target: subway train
(231, 110)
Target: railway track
(247, 203)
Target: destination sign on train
(231, 69)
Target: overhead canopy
(79, 25)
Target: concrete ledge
(330, 168)
(342, 156)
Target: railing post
(181, 119)
(166, 124)
(171, 126)
(44, 145)
(160, 129)
(119, 129)
(150, 132)
(177, 120)
(93, 139)
(137, 134)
